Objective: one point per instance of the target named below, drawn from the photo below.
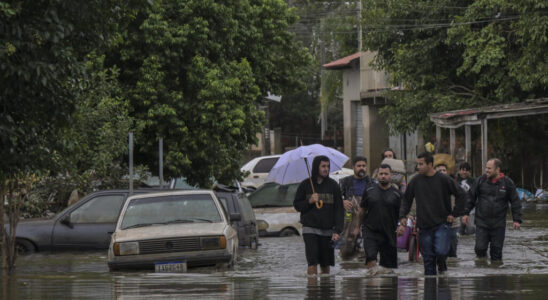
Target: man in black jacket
(354, 185)
(432, 191)
(322, 216)
(490, 195)
(352, 188)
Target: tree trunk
(14, 191)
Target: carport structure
(480, 116)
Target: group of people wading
(439, 201)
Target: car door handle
(256, 176)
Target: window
(265, 165)
(245, 206)
(101, 209)
(274, 195)
(224, 201)
(193, 208)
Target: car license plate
(170, 267)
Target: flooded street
(277, 271)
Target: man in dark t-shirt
(432, 191)
(379, 210)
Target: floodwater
(277, 271)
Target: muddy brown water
(277, 271)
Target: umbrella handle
(319, 204)
(309, 177)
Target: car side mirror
(235, 217)
(66, 221)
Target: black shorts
(375, 243)
(319, 250)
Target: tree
(457, 54)
(329, 30)
(42, 63)
(196, 71)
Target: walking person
(354, 185)
(442, 168)
(465, 180)
(379, 211)
(352, 188)
(397, 178)
(490, 195)
(464, 177)
(432, 192)
(322, 216)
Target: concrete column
(438, 138)
(452, 142)
(349, 124)
(483, 142)
(375, 136)
(367, 120)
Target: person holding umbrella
(318, 199)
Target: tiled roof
(342, 62)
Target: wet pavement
(277, 270)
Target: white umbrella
(294, 165)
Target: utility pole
(161, 162)
(131, 163)
(359, 25)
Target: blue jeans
(434, 244)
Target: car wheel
(24, 247)
(287, 232)
(253, 244)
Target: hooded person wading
(322, 215)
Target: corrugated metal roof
(472, 116)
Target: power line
(407, 27)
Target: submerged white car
(169, 231)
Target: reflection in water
(277, 271)
(322, 287)
(436, 289)
(171, 285)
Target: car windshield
(172, 209)
(273, 195)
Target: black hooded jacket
(491, 201)
(331, 214)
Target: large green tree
(42, 54)
(196, 71)
(451, 54)
(329, 30)
(93, 147)
(43, 47)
